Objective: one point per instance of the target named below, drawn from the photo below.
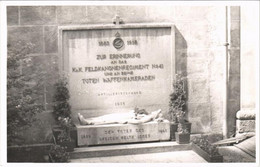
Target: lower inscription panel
(122, 133)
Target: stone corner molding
(246, 114)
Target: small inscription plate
(123, 133)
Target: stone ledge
(122, 133)
(128, 149)
(28, 153)
(187, 156)
(246, 114)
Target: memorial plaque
(115, 68)
(123, 133)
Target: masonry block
(203, 54)
(199, 116)
(198, 90)
(199, 35)
(49, 65)
(245, 126)
(131, 15)
(12, 15)
(216, 91)
(198, 13)
(51, 39)
(197, 66)
(216, 104)
(216, 108)
(45, 64)
(198, 109)
(26, 35)
(216, 64)
(101, 14)
(159, 13)
(71, 14)
(37, 15)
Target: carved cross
(117, 20)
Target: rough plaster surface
(245, 126)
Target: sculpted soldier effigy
(133, 117)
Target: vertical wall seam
(43, 39)
(44, 86)
(19, 22)
(56, 15)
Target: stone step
(127, 149)
(234, 154)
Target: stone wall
(200, 34)
(249, 53)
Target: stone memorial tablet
(115, 68)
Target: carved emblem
(118, 43)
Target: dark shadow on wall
(180, 53)
(181, 57)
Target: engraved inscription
(124, 133)
(119, 103)
(103, 43)
(104, 65)
(132, 42)
(162, 130)
(85, 136)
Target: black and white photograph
(129, 82)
